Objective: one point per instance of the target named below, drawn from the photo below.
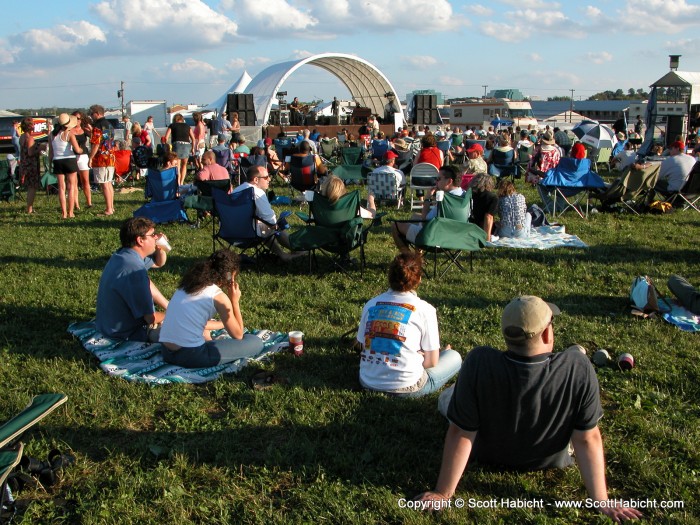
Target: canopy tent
(219, 105)
(687, 79)
(367, 85)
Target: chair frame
(422, 169)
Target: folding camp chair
(122, 167)
(567, 185)
(334, 229)
(11, 448)
(444, 146)
(523, 160)
(385, 187)
(234, 222)
(49, 182)
(502, 163)
(302, 172)
(378, 149)
(423, 177)
(203, 202)
(7, 183)
(450, 233)
(350, 168)
(162, 190)
(599, 157)
(633, 189)
(329, 150)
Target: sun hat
(525, 317)
(547, 138)
(66, 120)
(400, 144)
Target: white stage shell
(366, 83)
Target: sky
(76, 53)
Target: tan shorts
(103, 175)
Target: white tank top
(186, 316)
(62, 149)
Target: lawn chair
(7, 183)
(11, 448)
(122, 167)
(385, 187)
(350, 168)
(444, 146)
(502, 163)
(523, 160)
(633, 189)
(379, 147)
(599, 157)
(329, 150)
(451, 233)
(689, 194)
(203, 201)
(334, 229)
(423, 178)
(302, 173)
(49, 181)
(567, 185)
(234, 224)
(162, 190)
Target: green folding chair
(11, 449)
(48, 179)
(7, 184)
(350, 167)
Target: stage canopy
(687, 79)
(366, 83)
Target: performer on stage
(295, 107)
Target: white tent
(366, 83)
(219, 105)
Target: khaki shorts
(103, 175)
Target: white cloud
(55, 46)
(447, 80)
(278, 15)
(196, 67)
(478, 10)
(598, 58)
(235, 63)
(298, 54)
(419, 61)
(532, 4)
(535, 57)
(524, 22)
(658, 16)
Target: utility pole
(120, 94)
(484, 90)
(571, 108)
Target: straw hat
(67, 121)
(400, 144)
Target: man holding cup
(126, 295)
(448, 180)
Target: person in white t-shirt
(207, 288)
(399, 337)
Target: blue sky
(74, 53)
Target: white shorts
(413, 230)
(83, 162)
(103, 175)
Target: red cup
(625, 361)
(296, 342)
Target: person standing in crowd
(15, 138)
(102, 155)
(150, 128)
(199, 133)
(82, 133)
(29, 161)
(63, 151)
(182, 139)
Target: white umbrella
(598, 136)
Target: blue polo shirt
(124, 296)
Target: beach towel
(681, 317)
(541, 238)
(142, 362)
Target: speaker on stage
(284, 118)
(242, 103)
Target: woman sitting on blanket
(515, 220)
(207, 288)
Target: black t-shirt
(484, 202)
(524, 409)
(179, 132)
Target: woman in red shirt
(430, 152)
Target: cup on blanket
(162, 241)
(439, 195)
(309, 195)
(296, 342)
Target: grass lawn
(318, 449)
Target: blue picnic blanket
(682, 318)
(142, 362)
(541, 238)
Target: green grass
(318, 449)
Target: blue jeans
(448, 366)
(213, 353)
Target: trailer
(140, 110)
(481, 113)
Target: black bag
(538, 216)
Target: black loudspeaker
(311, 119)
(334, 120)
(674, 128)
(242, 103)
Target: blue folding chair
(162, 190)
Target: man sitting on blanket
(125, 296)
(448, 180)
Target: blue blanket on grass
(682, 318)
(541, 238)
(142, 362)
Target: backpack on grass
(646, 300)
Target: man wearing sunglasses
(125, 295)
(522, 408)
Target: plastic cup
(309, 195)
(576, 348)
(625, 361)
(296, 342)
(439, 195)
(162, 241)
(601, 357)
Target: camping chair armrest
(414, 221)
(272, 225)
(304, 217)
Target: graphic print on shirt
(385, 332)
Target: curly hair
(505, 187)
(405, 271)
(27, 124)
(219, 268)
(482, 182)
(428, 141)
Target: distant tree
(558, 99)
(630, 92)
